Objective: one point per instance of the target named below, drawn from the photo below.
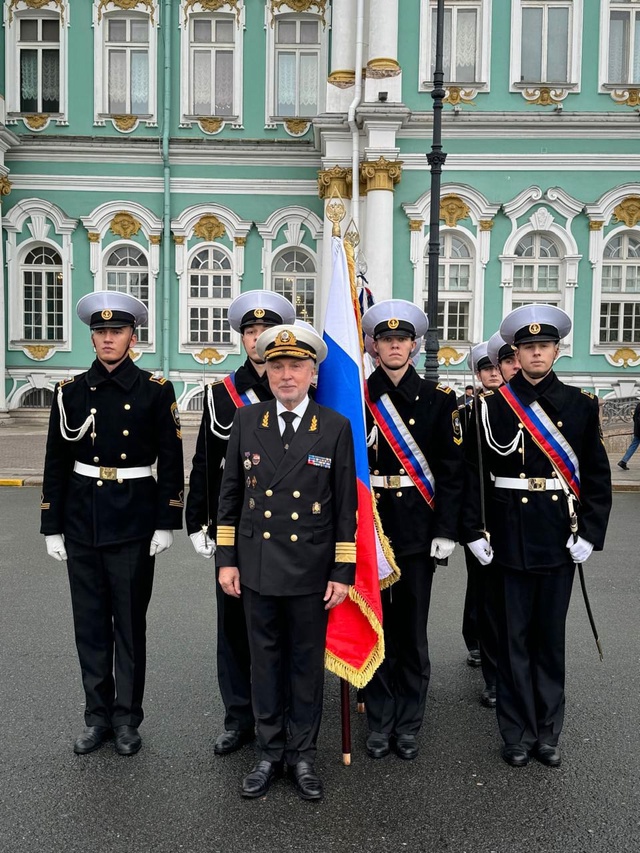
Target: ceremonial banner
(355, 644)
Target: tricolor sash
(548, 438)
(240, 400)
(403, 445)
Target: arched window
(620, 305)
(127, 271)
(210, 292)
(294, 276)
(536, 271)
(42, 295)
(455, 287)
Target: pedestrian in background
(635, 441)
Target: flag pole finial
(336, 212)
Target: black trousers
(287, 636)
(396, 695)
(110, 592)
(531, 655)
(234, 662)
(480, 617)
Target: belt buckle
(108, 473)
(393, 482)
(537, 484)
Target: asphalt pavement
(175, 796)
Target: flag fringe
(362, 676)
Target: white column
(343, 54)
(3, 339)
(380, 177)
(383, 72)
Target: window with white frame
(42, 295)
(38, 51)
(211, 65)
(620, 291)
(624, 43)
(545, 41)
(210, 285)
(536, 271)
(294, 277)
(127, 271)
(298, 51)
(455, 287)
(126, 47)
(461, 42)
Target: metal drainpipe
(166, 234)
(351, 118)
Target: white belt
(101, 473)
(393, 482)
(530, 484)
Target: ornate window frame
(471, 89)
(540, 92)
(39, 216)
(190, 9)
(621, 93)
(195, 228)
(117, 223)
(14, 12)
(102, 10)
(542, 220)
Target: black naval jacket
(136, 423)
(208, 460)
(288, 521)
(529, 529)
(430, 413)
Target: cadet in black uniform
(541, 451)
(286, 545)
(249, 314)
(420, 420)
(504, 356)
(106, 514)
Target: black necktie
(289, 432)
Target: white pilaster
(343, 54)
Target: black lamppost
(436, 160)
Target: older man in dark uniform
(286, 545)
(542, 459)
(249, 314)
(415, 461)
(105, 513)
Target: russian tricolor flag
(355, 644)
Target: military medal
(247, 464)
(256, 458)
(316, 508)
(252, 503)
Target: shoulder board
(66, 381)
(587, 393)
(486, 393)
(160, 380)
(445, 388)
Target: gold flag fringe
(362, 676)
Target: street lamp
(436, 160)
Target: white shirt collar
(300, 409)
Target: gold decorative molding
(5, 186)
(449, 356)
(624, 356)
(545, 96)
(125, 122)
(208, 355)
(155, 239)
(334, 180)
(124, 224)
(240, 241)
(342, 79)
(626, 97)
(178, 239)
(300, 6)
(416, 224)
(128, 5)
(38, 351)
(382, 174)
(382, 67)
(36, 122)
(486, 224)
(297, 126)
(210, 125)
(37, 4)
(456, 95)
(452, 210)
(628, 211)
(211, 6)
(93, 236)
(208, 227)
(596, 225)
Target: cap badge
(534, 328)
(393, 323)
(106, 314)
(285, 337)
(259, 313)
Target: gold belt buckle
(108, 473)
(393, 482)
(537, 484)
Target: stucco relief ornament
(37, 4)
(36, 122)
(628, 211)
(125, 122)
(128, 5)
(456, 96)
(297, 126)
(124, 225)
(211, 6)
(544, 96)
(208, 355)
(209, 227)
(5, 185)
(299, 6)
(624, 357)
(210, 125)
(452, 210)
(449, 356)
(38, 352)
(627, 97)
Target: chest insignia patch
(319, 461)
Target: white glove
(55, 546)
(161, 541)
(442, 548)
(204, 546)
(482, 551)
(580, 550)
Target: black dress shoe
(378, 745)
(128, 740)
(515, 754)
(91, 738)
(406, 747)
(547, 754)
(230, 741)
(622, 464)
(308, 785)
(257, 783)
(473, 658)
(488, 697)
